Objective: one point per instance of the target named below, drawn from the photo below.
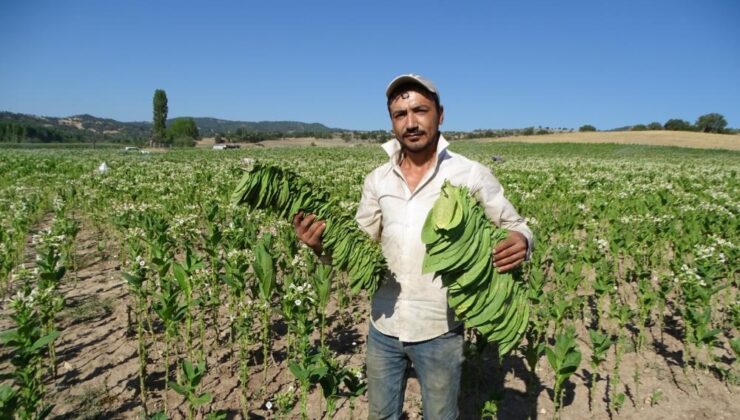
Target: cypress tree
(160, 116)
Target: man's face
(415, 120)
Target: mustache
(413, 131)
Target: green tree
(639, 127)
(184, 127)
(678, 124)
(160, 116)
(182, 141)
(711, 123)
(587, 127)
(655, 126)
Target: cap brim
(407, 78)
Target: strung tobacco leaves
(459, 238)
(286, 193)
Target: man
(411, 322)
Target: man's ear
(441, 114)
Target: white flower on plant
(297, 302)
(603, 245)
(268, 405)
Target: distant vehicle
(224, 146)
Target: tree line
(11, 132)
(183, 132)
(707, 123)
(243, 135)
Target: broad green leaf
(45, 340)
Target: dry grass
(653, 138)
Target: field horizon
(687, 139)
(649, 138)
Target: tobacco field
(140, 291)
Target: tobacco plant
(600, 344)
(264, 269)
(564, 358)
(189, 384)
(29, 342)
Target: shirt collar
(393, 148)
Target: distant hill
(208, 126)
(85, 127)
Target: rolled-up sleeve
(369, 216)
(490, 193)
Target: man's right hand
(309, 230)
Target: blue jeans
(438, 365)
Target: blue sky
(498, 64)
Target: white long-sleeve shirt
(410, 305)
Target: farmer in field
(411, 322)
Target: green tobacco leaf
(459, 240)
(285, 193)
(570, 364)
(10, 337)
(187, 368)
(134, 280)
(265, 270)
(735, 344)
(182, 278)
(45, 340)
(203, 399)
(180, 389)
(298, 371)
(158, 416)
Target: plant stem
(265, 343)
(142, 357)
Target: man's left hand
(510, 252)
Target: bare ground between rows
(98, 366)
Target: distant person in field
(411, 322)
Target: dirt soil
(98, 366)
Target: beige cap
(411, 78)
